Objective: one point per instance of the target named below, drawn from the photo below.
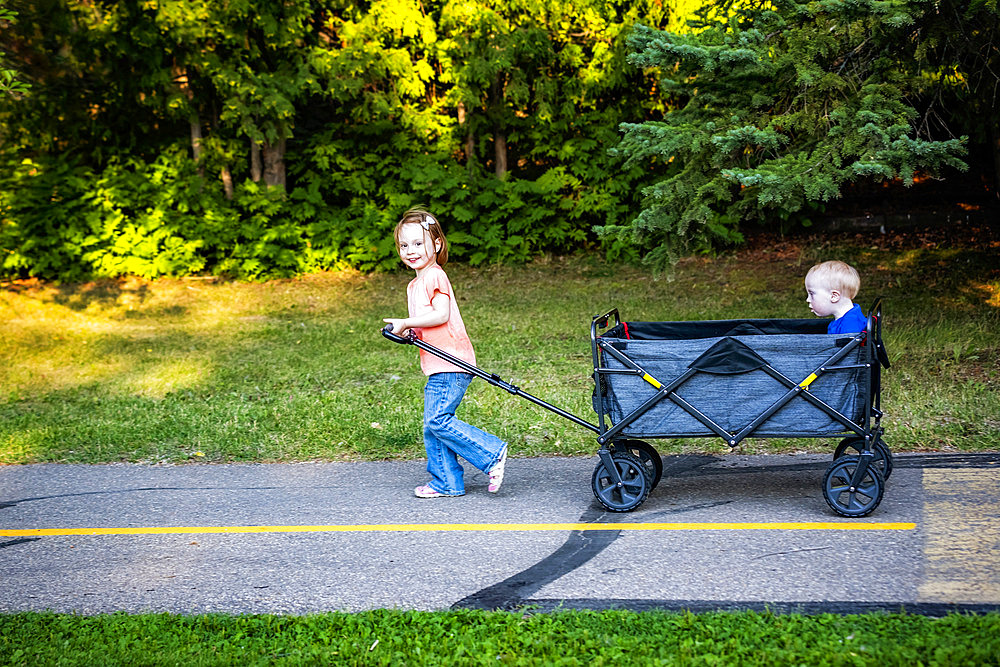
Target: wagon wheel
(883, 457)
(647, 454)
(634, 487)
(859, 501)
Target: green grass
(197, 370)
(497, 638)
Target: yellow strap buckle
(651, 380)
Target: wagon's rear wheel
(883, 457)
(634, 487)
(852, 501)
(647, 454)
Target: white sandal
(496, 473)
(426, 491)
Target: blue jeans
(446, 437)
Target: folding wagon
(734, 379)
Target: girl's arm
(435, 318)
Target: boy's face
(415, 247)
(820, 298)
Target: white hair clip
(427, 222)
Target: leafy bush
(62, 219)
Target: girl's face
(415, 247)
(820, 298)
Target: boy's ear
(834, 295)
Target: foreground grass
(198, 370)
(481, 638)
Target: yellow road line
(445, 527)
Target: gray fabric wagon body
(795, 348)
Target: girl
(434, 316)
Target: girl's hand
(398, 325)
(435, 318)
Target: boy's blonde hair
(837, 275)
(419, 216)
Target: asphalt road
(719, 532)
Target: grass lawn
(499, 638)
(293, 370)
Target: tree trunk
(461, 122)
(500, 147)
(195, 137)
(255, 169)
(470, 140)
(274, 163)
(499, 137)
(227, 182)
(184, 83)
(470, 151)
(995, 137)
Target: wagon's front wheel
(646, 454)
(634, 486)
(849, 500)
(883, 457)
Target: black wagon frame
(629, 467)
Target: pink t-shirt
(450, 336)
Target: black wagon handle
(403, 340)
(491, 378)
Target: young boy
(830, 288)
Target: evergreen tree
(782, 103)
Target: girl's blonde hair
(419, 216)
(837, 275)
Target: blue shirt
(852, 321)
